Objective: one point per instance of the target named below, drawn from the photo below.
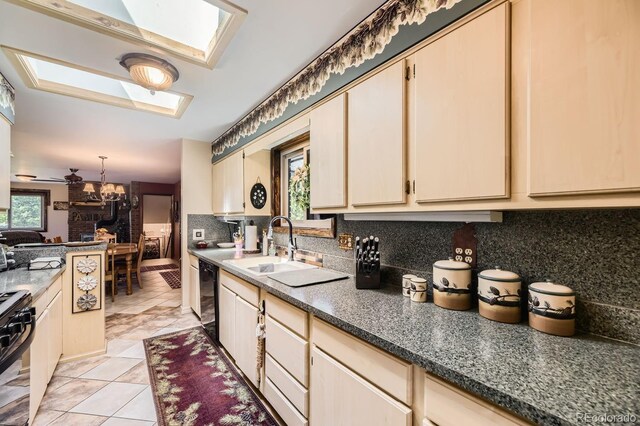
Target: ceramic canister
(406, 284)
(552, 308)
(499, 295)
(418, 290)
(451, 284)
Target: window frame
(45, 196)
(285, 156)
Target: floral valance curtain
(364, 42)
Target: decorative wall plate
(86, 301)
(258, 195)
(87, 266)
(87, 283)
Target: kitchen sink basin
(266, 265)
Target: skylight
(196, 30)
(55, 76)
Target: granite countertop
(36, 282)
(545, 379)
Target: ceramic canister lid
(498, 274)
(418, 280)
(409, 276)
(451, 265)
(551, 288)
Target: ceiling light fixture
(108, 191)
(149, 71)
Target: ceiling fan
(70, 179)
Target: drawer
(288, 412)
(41, 303)
(193, 261)
(391, 374)
(288, 315)
(288, 349)
(297, 394)
(248, 292)
(447, 405)
(54, 289)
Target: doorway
(157, 226)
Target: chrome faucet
(292, 243)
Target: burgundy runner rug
(172, 278)
(158, 267)
(194, 383)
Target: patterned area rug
(194, 383)
(172, 278)
(159, 267)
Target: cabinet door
(39, 364)
(377, 139)
(194, 289)
(246, 341)
(227, 316)
(217, 187)
(5, 164)
(584, 131)
(461, 92)
(234, 183)
(341, 397)
(328, 134)
(55, 334)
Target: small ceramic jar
(552, 308)
(499, 295)
(418, 290)
(406, 284)
(451, 284)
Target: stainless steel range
(17, 326)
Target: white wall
(58, 220)
(195, 171)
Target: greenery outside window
(28, 211)
(295, 177)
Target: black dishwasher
(209, 299)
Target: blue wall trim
(407, 37)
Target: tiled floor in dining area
(113, 389)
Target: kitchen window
(28, 211)
(295, 182)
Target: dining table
(124, 251)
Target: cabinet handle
(407, 187)
(414, 186)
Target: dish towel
(260, 335)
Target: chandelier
(108, 191)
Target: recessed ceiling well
(195, 30)
(51, 75)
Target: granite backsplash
(596, 252)
(215, 230)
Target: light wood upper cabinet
(257, 166)
(376, 135)
(328, 133)
(461, 110)
(228, 185)
(584, 131)
(5, 164)
(217, 187)
(234, 183)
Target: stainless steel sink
(266, 265)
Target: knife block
(365, 281)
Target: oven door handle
(22, 348)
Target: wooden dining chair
(111, 271)
(139, 259)
(57, 239)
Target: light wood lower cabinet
(227, 314)
(341, 397)
(194, 289)
(54, 349)
(238, 321)
(39, 364)
(246, 341)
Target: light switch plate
(198, 234)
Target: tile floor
(111, 389)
